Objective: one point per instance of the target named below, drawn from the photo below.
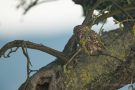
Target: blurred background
(50, 24)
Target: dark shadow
(44, 86)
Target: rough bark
(109, 70)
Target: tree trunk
(108, 70)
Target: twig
(101, 29)
(33, 71)
(45, 1)
(25, 52)
(73, 57)
(65, 66)
(11, 51)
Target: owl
(87, 39)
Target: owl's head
(81, 30)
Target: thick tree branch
(31, 45)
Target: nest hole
(44, 86)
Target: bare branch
(45, 1)
(25, 52)
(35, 3)
(30, 6)
(31, 45)
(28, 64)
(11, 51)
(78, 51)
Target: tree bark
(109, 70)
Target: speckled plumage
(87, 39)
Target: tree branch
(90, 12)
(115, 12)
(35, 3)
(89, 20)
(31, 45)
(32, 4)
(120, 8)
